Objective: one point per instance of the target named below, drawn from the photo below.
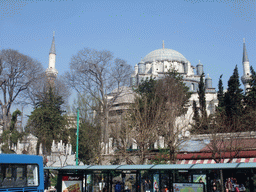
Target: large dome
(164, 54)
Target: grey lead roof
(245, 56)
(164, 54)
(52, 50)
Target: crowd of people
(230, 185)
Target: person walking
(228, 185)
(118, 187)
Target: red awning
(208, 155)
(210, 161)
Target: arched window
(192, 86)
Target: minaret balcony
(245, 79)
(51, 71)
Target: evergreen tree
(89, 143)
(201, 96)
(47, 122)
(147, 88)
(233, 100)
(12, 135)
(202, 105)
(250, 97)
(196, 116)
(220, 95)
(249, 120)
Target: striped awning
(211, 161)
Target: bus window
(9, 171)
(1, 174)
(32, 175)
(20, 172)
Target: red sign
(72, 178)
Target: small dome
(200, 63)
(164, 54)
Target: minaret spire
(245, 56)
(51, 72)
(52, 50)
(163, 44)
(246, 68)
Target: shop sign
(188, 187)
(72, 183)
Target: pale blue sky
(211, 31)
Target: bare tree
(175, 121)
(95, 73)
(158, 110)
(122, 139)
(145, 119)
(17, 73)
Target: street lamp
(77, 136)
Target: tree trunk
(5, 118)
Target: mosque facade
(159, 62)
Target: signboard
(156, 183)
(188, 187)
(199, 178)
(72, 183)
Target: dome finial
(163, 44)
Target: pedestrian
(228, 185)
(118, 187)
(146, 186)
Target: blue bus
(21, 173)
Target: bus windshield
(17, 175)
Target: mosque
(156, 64)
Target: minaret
(246, 67)
(51, 72)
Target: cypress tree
(196, 116)
(201, 96)
(220, 95)
(202, 102)
(233, 99)
(249, 114)
(250, 97)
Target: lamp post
(77, 136)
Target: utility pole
(77, 136)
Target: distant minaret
(246, 67)
(51, 72)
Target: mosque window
(165, 66)
(192, 86)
